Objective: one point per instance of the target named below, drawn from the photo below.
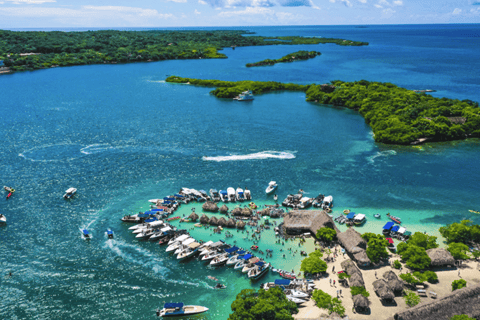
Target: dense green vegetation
(396, 115)
(461, 317)
(414, 252)
(271, 304)
(458, 284)
(359, 290)
(291, 57)
(325, 301)
(411, 298)
(376, 246)
(397, 264)
(57, 48)
(326, 234)
(458, 250)
(419, 278)
(313, 264)
(401, 116)
(465, 232)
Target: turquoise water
(122, 136)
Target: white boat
(317, 203)
(3, 219)
(250, 265)
(159, 233)
(174, 246)
(271, 187)
(235, 258)
(210, 255)
(214, 195)
(239, 195)
(154, 201)
(191, 250)
(140, 230)
(296, 294)
(244, 96)
(70, 193)
(179, 238)
(261, 268)
(224, 195)
(145, 234)
(219, 260)
(327, 202)
(296, 300)
(179, 309)
(184, 245)
(305, 202)
(359, 219)
(248, 195)
(231, 194)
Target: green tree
(458, 284)
(430, 276)
(313, 264)
(457, 232)
(461, 317)
(411, 298)
(423, 240)
(397, 264)
(337, 307)
(476, 254)
(376, 249)
(271, 304)
(359, 290)
(409, 278)
(415, 257)
(326, 234)
(458, 250)
(325, 301)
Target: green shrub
(359, 290)
(327, 234)
(458, 250)
(461, 317)
(397, 264)
(411, 298)
(458, 284)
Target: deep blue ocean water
(121, 135)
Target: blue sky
(177, 13)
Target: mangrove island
(291, 57)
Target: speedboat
(242, 261)
(244, 96)
(231, 194)
(287, 200)
(359, 219)
(317, 203)
(296, 300)
(212, 254)
(184, 245)
(110, 233)
(235, 258)
(296, 294)
(198, 195)
(160, 233)
(239, 195)
(191, 250)
(327, 202)
(179, 238)
(70, 193)
(215, 195)
(261, 268)
(305, 202)
(250, 265)
(179, 309)
(219, 260)
(3, 219)
(394, 219)
(86, 234)
(204, 194)
(176, 245)
(248, 195)
(377, 215)
(224, 195)
(272, 186)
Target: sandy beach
(469, 271)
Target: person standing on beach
(333, 269)
(330, 282)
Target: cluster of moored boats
(299, 201)
(298, 291)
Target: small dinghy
(86, 234)
(3, 219)
(272, 186)
(179, 309)
(70, 193)
(377, 215)
(110, 233)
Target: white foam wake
(96, 148)
(253, 156)
(386, 153)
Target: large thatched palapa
(222, 222)
(237, 211)
(204, 219)
(393, 282)
(240, 224)
(210, 206)
(383, 290)
(193, 216)
(356, 278)
(298, 222)
(461, 301)
(223, 209)
(213, 221)
(360, 302)
(355, 246)
(230, 223)
(440, 257)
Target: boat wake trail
(386, 153)
(254, 156)
(96, 148)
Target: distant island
(396, 115)
(291, 57)
(33, 50)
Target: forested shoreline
(291, 57)
(33, 50)
(396, 115)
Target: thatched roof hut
(355, 246)
(237, 212)
(222, 222)
(204, 219)
(193, 216)
(230, 223)
(298, 222)
(240, 224)
(440, 257)
(264, 212)
(356, 278)
(247, 212)
(393, 282)
(276, 213)
(360, 302)
(461, 301)
(223, 209)
(383, 290)
(213, 221)
(210, 206)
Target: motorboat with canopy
(179, 309)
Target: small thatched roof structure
(240, 224)
(264, 212)
(360, 302)
(237, 212)
(247, 212)
(210, 206)
(223, 209)
(440, 257)
(461, 301)
(193, 216)
(298, 222)
(204, 219)
(230, 223)
(222, 222)
(276, 213)
(356, 278)
(393, 282)
(355, 246)
(213, 221)
(383, 290)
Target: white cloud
(398, 3)
(457, 11)
(202, 2)
(297, 3)
(259, 3)
(29, 1)
(378, 6)
(197, 12)
(383, 3)
(180, 1)
(388, 11)
(363, 1)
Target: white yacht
(224, 195)
(245, 96)
(190, 250)
(248, 195)
(219, 260)
(210, 255)
(240, 195)
(174, 246)
(184, 245)
(179, 309)
(231, 194)
(296, 300)
(179, 238)
(70, 193)
(327, 202)
(272, 185)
